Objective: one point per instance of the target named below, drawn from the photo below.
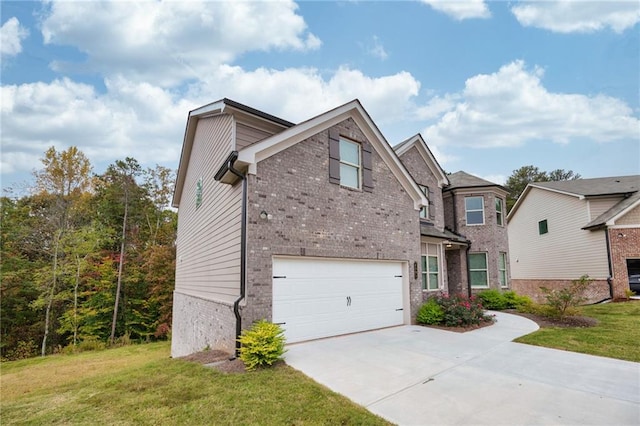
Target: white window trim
(501, 211)
(425, 209)
(486, 258)
(501, 271)
(357, 166)
(466, 211)
(438, 256)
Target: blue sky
(492, 86)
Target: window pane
(475, 218)
(477, 261)
(349, 176)
(349, 152)
(498, 205)
(424, 281)
(423, 212)
(502, 261)
(473, 203)
(433, 281)
(543, 227)
(478, 278)
(503, 278)
(433, 264)
(433, 249)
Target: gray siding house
(320, 226)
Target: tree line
(86, 257)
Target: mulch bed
(566, 322)
(220, 360)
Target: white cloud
(512, 107)
(377, 50)
(147, 122)
(166, 43)
(567, 16)
(11, 36)
(461, 9)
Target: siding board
(247, 135)
(566, 251)
(208, 245)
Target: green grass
(140, 384)
(616, 336)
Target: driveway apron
(413, 375)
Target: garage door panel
(316, 298)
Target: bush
(430, 313)
(262, 345)
(515, 301)
(563, 301)
(493, 299)
(457, 311)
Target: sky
(491, 85)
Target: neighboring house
(476, 208)
(559, 231)
(320, 226)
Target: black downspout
(243, 254)
(609, 278)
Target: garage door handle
(279, 276)
(399, 309)
(280, 323)
(348, 300)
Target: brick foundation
(200, 323)
(597, 291)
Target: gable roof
(464, 180)
(222, 106)
(627, 187)
(619, 209)
(418, 142)
(615, 185)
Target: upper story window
(474, 208)
(424, 211)
(350, 164)
(543, 227)
(499, 212)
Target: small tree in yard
(562, 301)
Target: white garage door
(315, 298)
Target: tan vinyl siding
(599, 206)
(208, 246)
(631, 218)
(566, 251)
(247, 135)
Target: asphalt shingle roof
(465, 180)
(596, 186)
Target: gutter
(228, 167)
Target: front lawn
(140, 384)
(617, 334)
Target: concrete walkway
(414, 375)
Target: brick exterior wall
(312, 217)
(598, 290)
(457, 271)
(623, 247)
(420, 172)
(490, 237)
(198, 323)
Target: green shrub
(493, 299)
(516, 301)
(430, 313)
(263, 344)
(562, 302)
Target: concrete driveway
(413, 375)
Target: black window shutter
(367, 178)
(334, 156)
(432, 207)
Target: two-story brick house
(476, 208)
(319, 226)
